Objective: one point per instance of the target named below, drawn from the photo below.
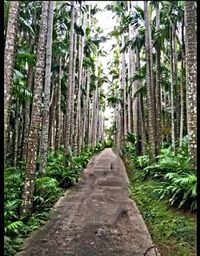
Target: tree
(158, 100)
(150, 82)
(70, 84)
(9, 59)
(47, 86)
(35, 125)
(191, 78)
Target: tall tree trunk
(191, 78)
(73, 119)
(158, 100)
(138, 114)
(182, 96)
(150, 87)
(47, 85)
(124, 88)
(129, 73)
(173, 84)
(15, 134)
(58, 109)
(27, 114)
(51, 114)
(28, 105)
(70, 84)
(87, 136)
(27, 197)
(9, 59)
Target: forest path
(95, 218)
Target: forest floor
(95, 218)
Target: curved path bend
(95, 218)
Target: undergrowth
(178, 182)
(166, 192)
(173, 232)
(48, 190)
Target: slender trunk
(87, 135)
(28, 105)
(84, 112)
(58, 109)
(191, 79)
(9, 59)
(73, 119)
(15, 134)
(181, 86)
(69, 86)
(129, 75)
(27, 197)
(150, 87)
(172, 90)
(124, 88)
(47, 85)
(158, 100)
(27, 113)
(138, 115)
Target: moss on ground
(174, 233)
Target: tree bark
(173, 84)
(27, 197)
(58, 109)
(150, 87)
(69, 86)
(191, 78)
(158, 100)
(9, 59)
(47, 86)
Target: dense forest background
(55, 101)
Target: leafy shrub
(142, 161)
(132, 138)
(168, 161)
(178, 184)
(46, 192)
(180, 189)
(56, 169)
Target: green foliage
(168, 161)
(178, 183)
(46, 192)
(142, 161)
(48, 189)
(180, 189)
(11, 245)
(173, 232)
(67, 176)
(132, 138)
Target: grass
(173, 232)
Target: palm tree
(72, 142)
(191, 78)
(78, 124)
(32, 147)
(158, 100)
(123, 86)
(9, 57)
(150, 83)
(70, 84)
(58, 109)
(47, 86)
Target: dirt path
(96, 218)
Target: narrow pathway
(95, 218)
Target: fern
(12, 227)
(181, 190)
